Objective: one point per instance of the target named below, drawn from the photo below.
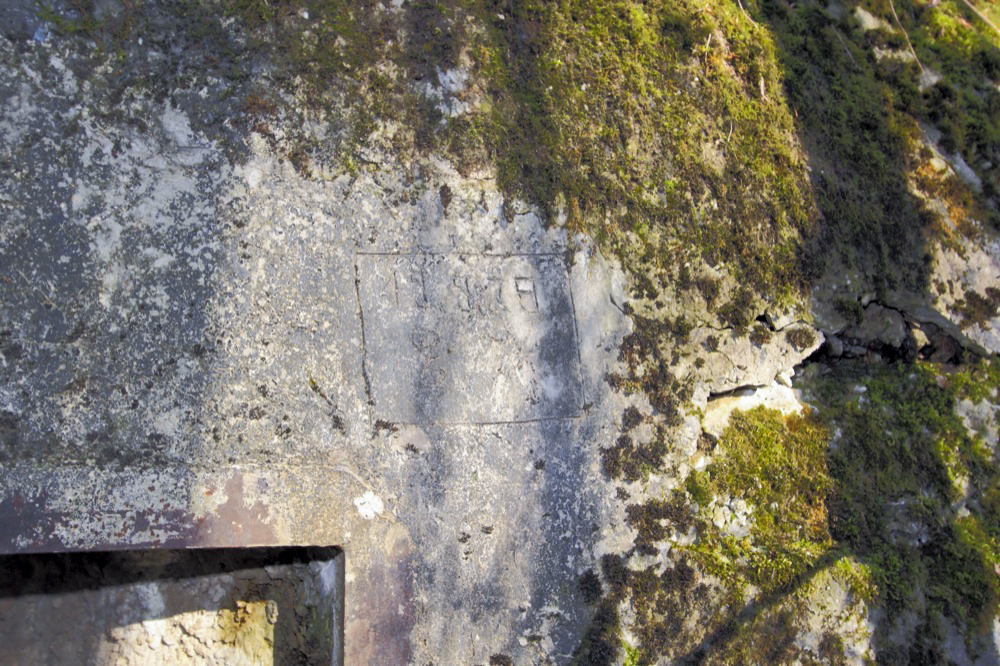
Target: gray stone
(731, 360)
(835, 346)
(202, 345)
(779, 319)
(880, 324)
(20, 21)
(826, 316)
(981, 419)
(869, 21)
(973, 267)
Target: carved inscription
(455, 338)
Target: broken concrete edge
(159, 509)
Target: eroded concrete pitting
(199, 351)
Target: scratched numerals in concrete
(508, 352)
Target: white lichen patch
(369, 505)
(981, 419)
(451, 92)
(967, 270)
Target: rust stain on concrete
(235, 522)
(382, 609)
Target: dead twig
(908, 42)
(981, 15)
(743, 9)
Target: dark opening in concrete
(223, 605)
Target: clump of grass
(643, 114)
(978, 382)
(963, 105)
(648, 356)
(760, 334)
(801, 338)
(632, 461)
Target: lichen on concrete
(491, 295)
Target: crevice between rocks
(894, 333)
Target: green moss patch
(902, 464)
(882, 485)
(778, 466)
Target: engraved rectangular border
(378, 423)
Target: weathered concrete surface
(512, 357)
(200, 347)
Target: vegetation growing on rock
(913, 489)
(882, 481)
(764, 140)
(641, 123)
(778, 467)
(731, 154)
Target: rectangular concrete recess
(469, 338)
(273, 606)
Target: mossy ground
(885, 473)
(778, 466)
(905, 468)
(882, 482)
